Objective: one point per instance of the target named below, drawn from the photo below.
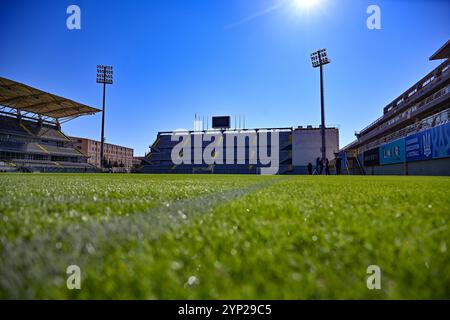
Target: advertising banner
(393, 152)
(440, 141)
(372, 157)
(418, 146)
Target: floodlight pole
(104, 76)
(319, 59)
(322, 113)
(102, 141)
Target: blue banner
(343, 157)
(393, 152)
(440, 141)
(418, 146)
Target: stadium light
(319, 59)
(104, 76)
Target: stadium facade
(412, 137)
(115, 156)
(239, 151)
(31, 139)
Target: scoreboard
(221, 122)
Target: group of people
(324, 166)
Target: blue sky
(175, 58)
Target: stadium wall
(423, 153)
(435, 167)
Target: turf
(220, 237)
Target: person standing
(319, 166)
(327, 167)
(310, 168)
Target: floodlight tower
(105, 76)
(319, 59)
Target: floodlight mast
(104, 76)
(319, 59)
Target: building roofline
(442, 53)
(244, 130)
(106, 143)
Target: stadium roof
(442, 53)
(25, 98)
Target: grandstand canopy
(28, 99)
(442, 53)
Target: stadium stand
(412, 137)
(159, 159)
(31, 139)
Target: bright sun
(306, 3)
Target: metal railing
(427, 123)
(424, 83)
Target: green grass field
(221, 237)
